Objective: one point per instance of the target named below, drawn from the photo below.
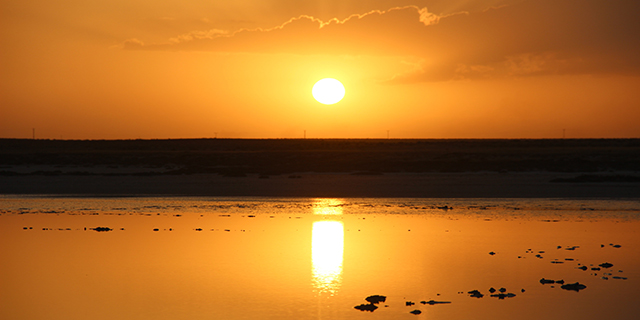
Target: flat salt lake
(304, 258)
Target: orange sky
(78, 69)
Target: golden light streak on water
(327, 248)
(328, 206)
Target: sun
(328, 91)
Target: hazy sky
(104, 69)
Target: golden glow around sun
(328, 91)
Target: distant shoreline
(324, 185)
(465, 168)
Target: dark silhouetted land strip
(324, 167)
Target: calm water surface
(279, 258)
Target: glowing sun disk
(328, 91)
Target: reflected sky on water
(282, 258)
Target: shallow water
(279, 258)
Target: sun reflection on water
(328, 206)
(327, 247)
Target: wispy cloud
(527, 38)
(294, 28)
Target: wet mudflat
(303, 258)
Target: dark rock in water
(409, 303)
(582, 268)
(574, 286)
(432, 302)
(560, 281)
(492, 253)
(617, 246)
(501, 296)
(503, 290)
(606, 265)
(102, 229)
(546, 281)
(492, 290)
(620, 278)
(366, 307)
(475, 294)
(376, 299)
(416, 312)
(595, 269)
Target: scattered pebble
(432, 302)
(574, 286)
(501, 296)
(475, 294)
(549, 281)
(375, 299)
(371, 306)
(366, 307)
